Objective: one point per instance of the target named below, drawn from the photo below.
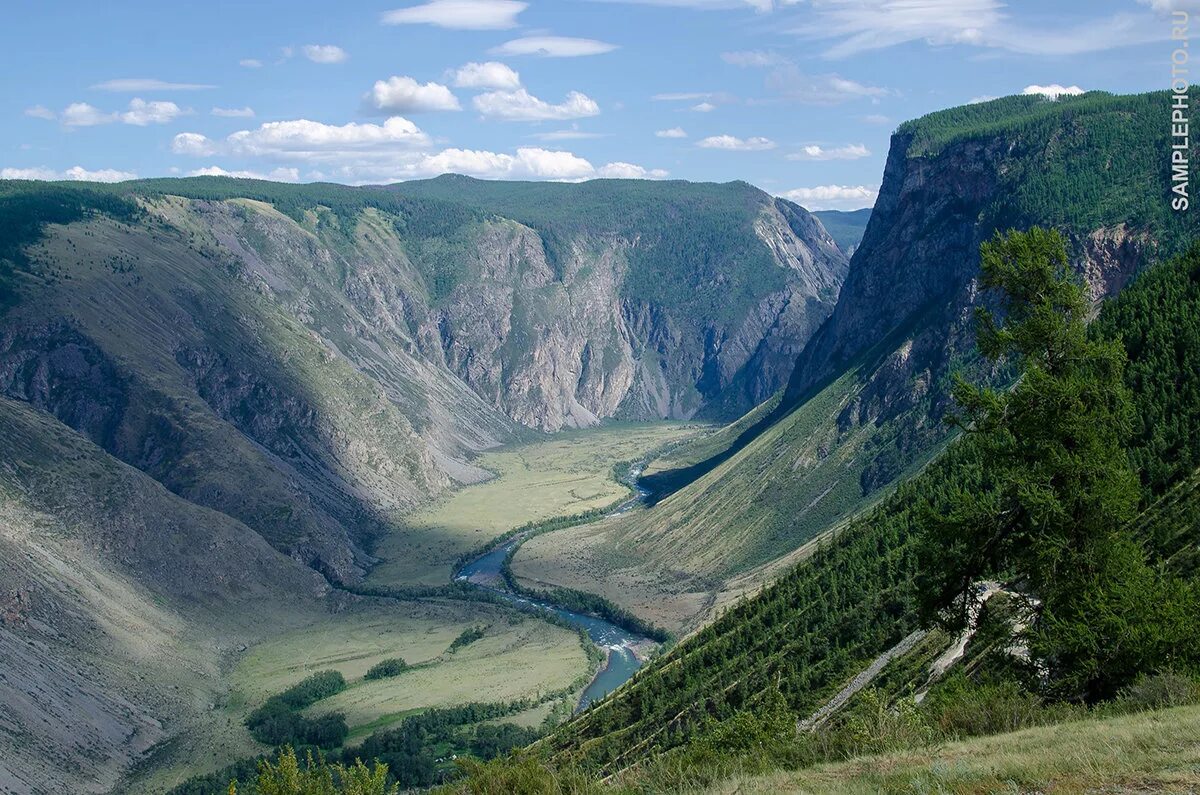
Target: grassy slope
(566, 474)
(516, 659)
(1146, 752)
(729, 530)
(121, 607)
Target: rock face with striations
(639, 300)
(952, 179)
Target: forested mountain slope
(824, 620)
(845, 226)
(867, 398)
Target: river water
(484, 572)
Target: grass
(567, 474)
(517, 658)
(1146, 752)
(671, 564)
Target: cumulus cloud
(275, 175)
(490, 74)
(78, 173)
(674, 132)
(81, 114)
(137, 84)
(405, 95)
(378, 153)
(620, 170)
(553, 47)
(833, 197)
(302, 139)
(234, 113)
(459, 14)
(815, 152)
(41, 112)
(735, 144)
(142, 113)
(1053, 91)
(250, 63)
(704, 107)
(520, 105)
(324, 53)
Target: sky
(798, 97)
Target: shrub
(393, 666)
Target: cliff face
(905, 314)
(565, 323)
(316, 373)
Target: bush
(393, 666)
(1158, 691)
(467, 637)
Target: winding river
(484, 572)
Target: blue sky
(798, 98)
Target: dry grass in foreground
(1147, 752)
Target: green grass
(1146, 752)
(517, 658)
(567, 474)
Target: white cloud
(142, 113)
(520, 105)
(406, 95)
(833, 197)
(324, 53)
(275, 175)
(704, 107)
(1053, 91)
(302, 139)
(734, 144)
(876, 118)
(250, 63)
(193, 144)
(674, 132)
(681, 96)
(620, 170)
(234, 113)
(822, 89)
(814, 152)
(1167, 6)
(137, 84)
(857, 26)
(572, 134)
(490, 74)
(981, 98)
(74, 173)
(553, 47)
(41, 112)
(459, 14)
(81, 114)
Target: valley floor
(518, 658)
(1142, 753)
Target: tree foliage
(1060, 488)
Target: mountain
(217, 395)
(821, 625)
(846, 227)
(866, 400)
